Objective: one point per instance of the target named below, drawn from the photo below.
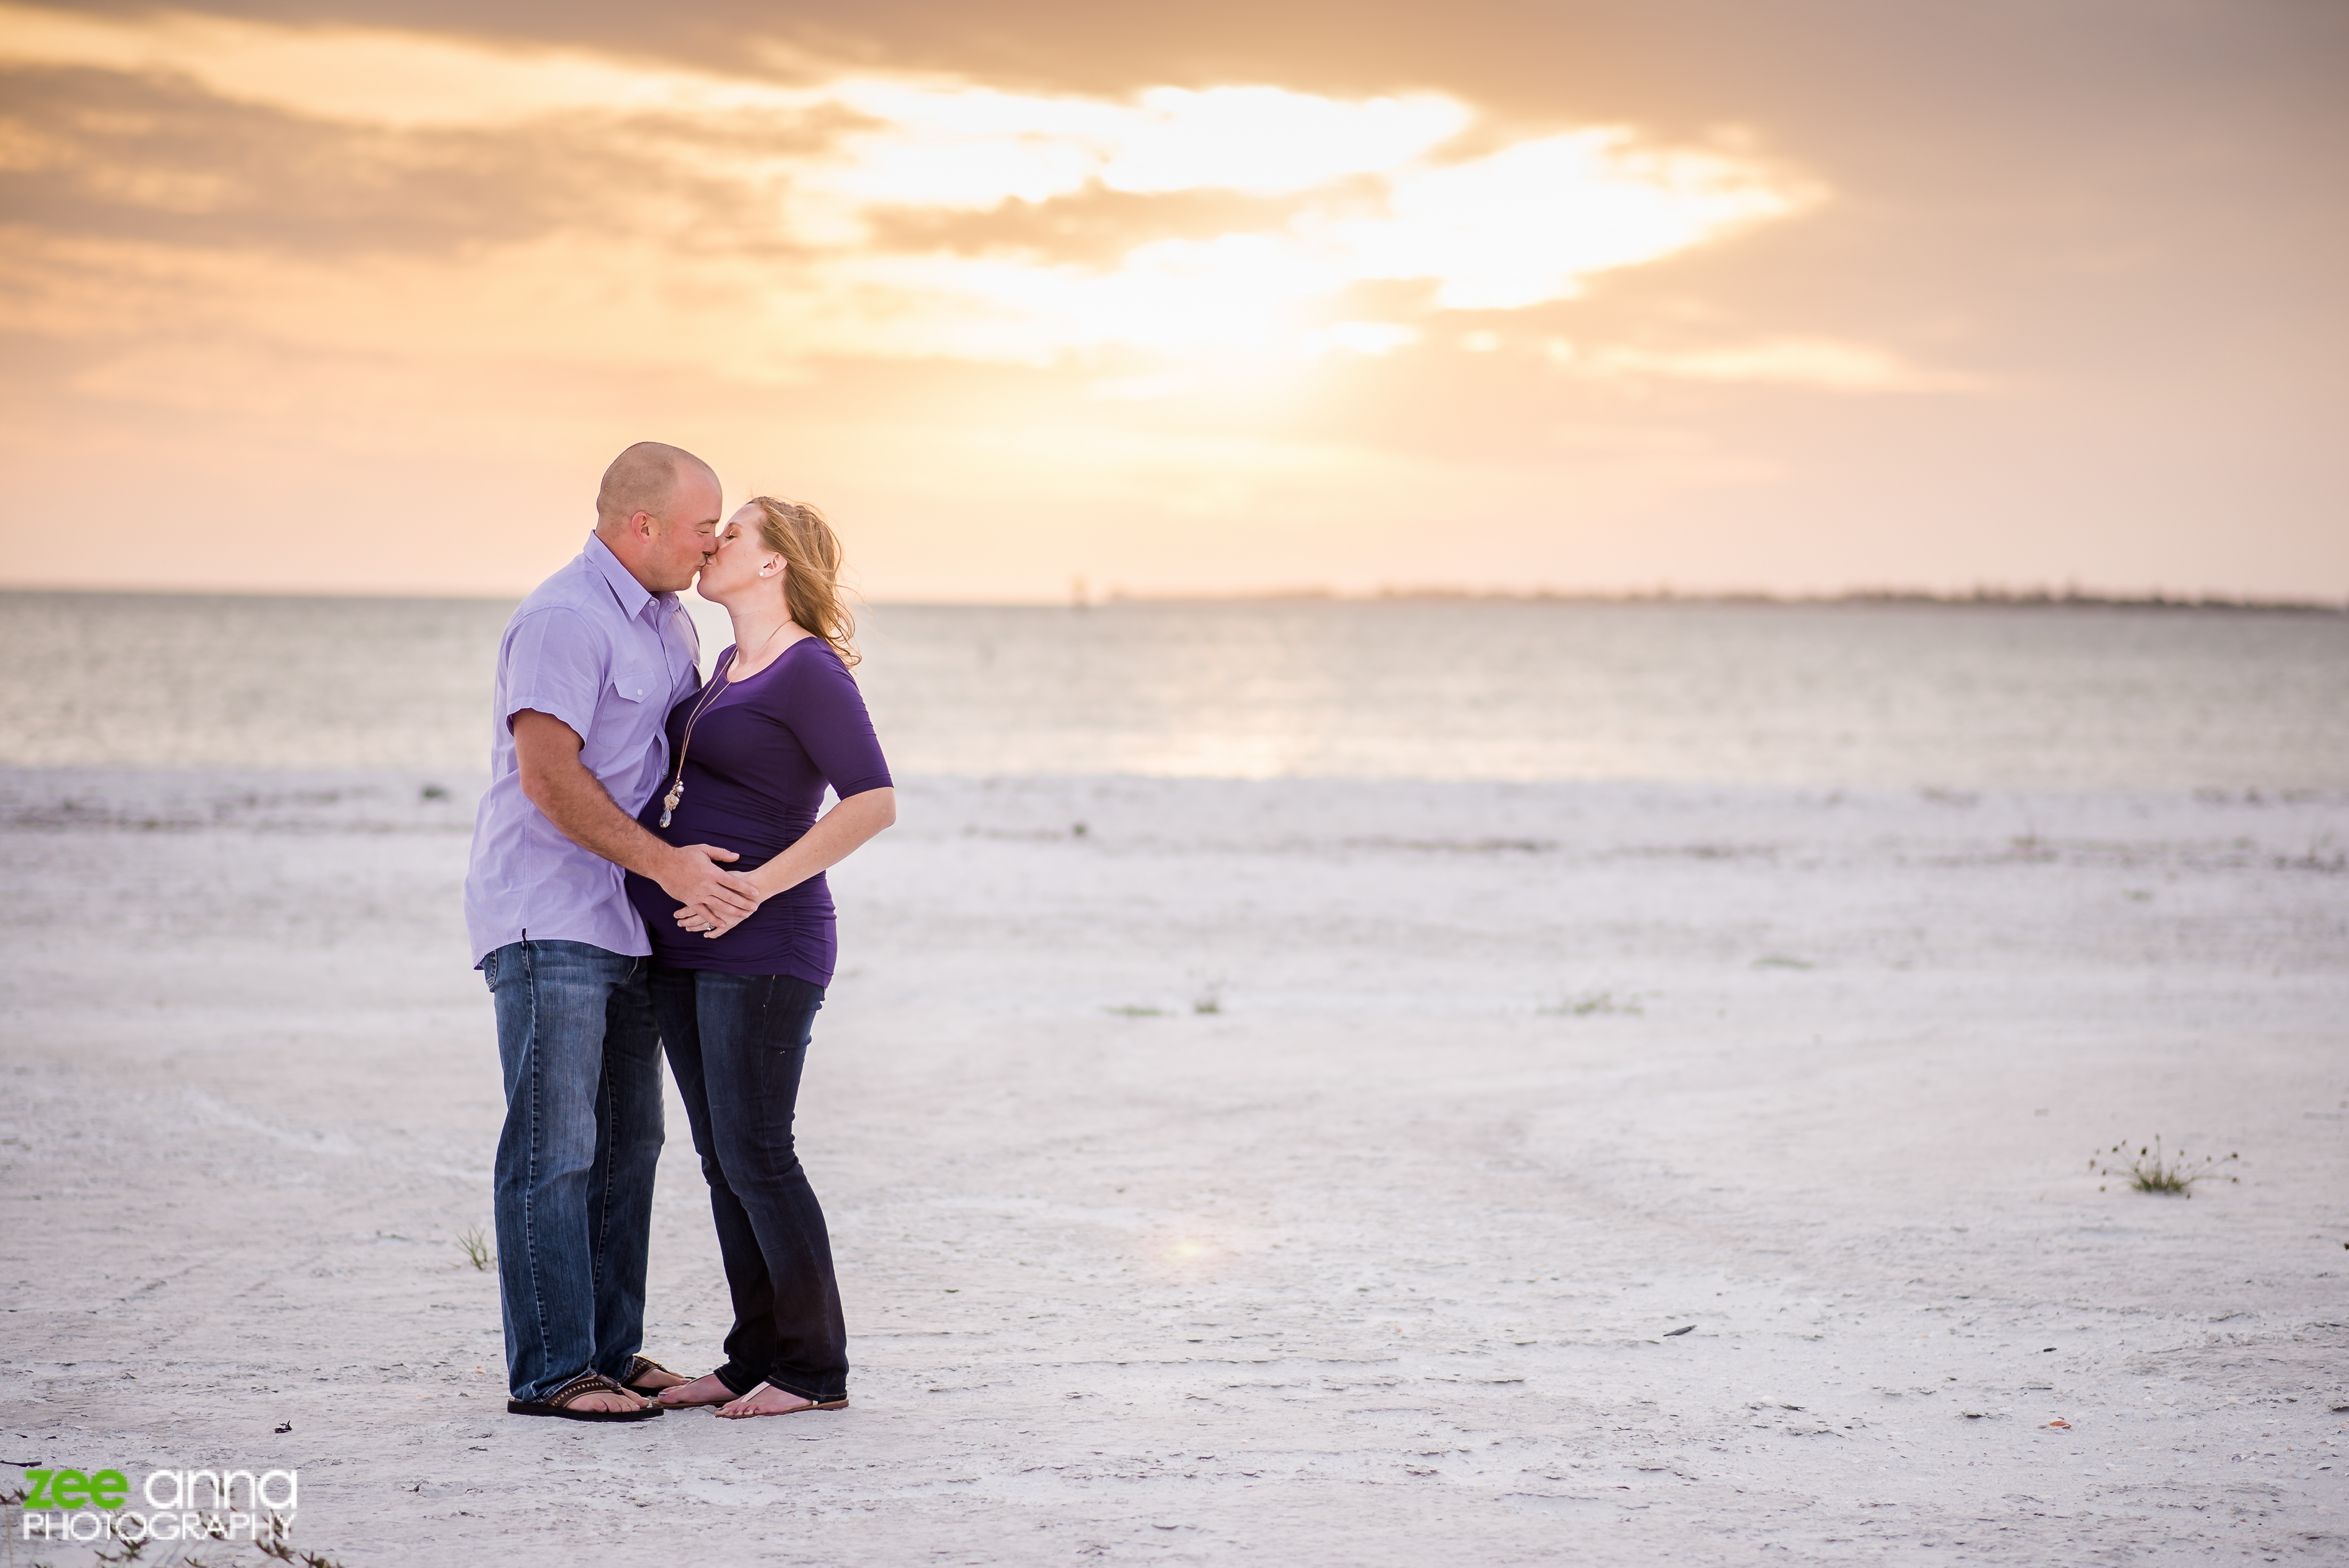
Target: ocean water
(1825, 695)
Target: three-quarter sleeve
(555, 666)
(827, 715)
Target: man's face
(680, 541)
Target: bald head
(657, 512)
(645, 478)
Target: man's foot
(767, 1399)
(587, 1397)
(597, 1399)
(705, 1389)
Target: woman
(750, 753)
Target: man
(588, 669)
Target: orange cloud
(704, 213)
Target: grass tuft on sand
(2151, 1169)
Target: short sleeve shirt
(591, 647)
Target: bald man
(589, 668)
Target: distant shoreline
(1977, 598)
(2006, 599)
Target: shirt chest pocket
(636, 683)
(627, 738)
(627, 716)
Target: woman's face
(741, 552)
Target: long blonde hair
(811, 591)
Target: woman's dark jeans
(736, 1043)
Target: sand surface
(1283, 1173)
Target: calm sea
(1959, 696)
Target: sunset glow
(1172, 330)
(810, 180)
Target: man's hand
(558, 784)
(694, 878)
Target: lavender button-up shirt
(591, 647)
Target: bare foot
(604, 1399)
(765, 1400)
(658, 1378)
(705, 1389)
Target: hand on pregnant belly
(697, 876)
(714, 920)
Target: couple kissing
(647, 877)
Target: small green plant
(285, 1551)
(1206, 991)
(278, 1543)
(2153, 1169)
(1589, 1004)
(1133, 1010)
(476, 1248)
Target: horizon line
(1982, 595)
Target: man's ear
(644, 524)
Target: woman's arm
(837, 835)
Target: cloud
(1821, 364)
(372, 76)
(950, 145)
(522, 193)
(97, 154)
(1523, 225)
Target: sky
(1705, 296)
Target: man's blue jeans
(575, 1167)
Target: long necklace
(708, 699)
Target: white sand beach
(1286, 1172)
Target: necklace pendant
(665, 811)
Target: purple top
(754, 777)
(591, 647)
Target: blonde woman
(736, 994)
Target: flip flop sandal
(637, 1366)
(821, 1405)
(558, 1403)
